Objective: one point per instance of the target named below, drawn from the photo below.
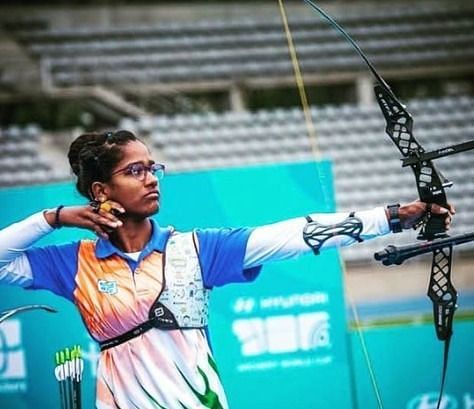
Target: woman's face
(137, 192)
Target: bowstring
(300, 84)
(363, 344)
(317, 155)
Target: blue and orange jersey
(114, 292)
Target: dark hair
(93, 156)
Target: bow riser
(429, 182)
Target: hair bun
(75, 154)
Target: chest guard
(183, 302)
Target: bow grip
(434, 228)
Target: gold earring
(105, 206)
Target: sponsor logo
(446, 150)
(159, 312)
(430, 401)
(283, 333)
(107, 287)
(244, 305)
(12, 358)
(247, 305)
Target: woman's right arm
(17, 238)
(14, 241)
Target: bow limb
(444, 296)
(312, 136)
(440, 290)
(4, 315)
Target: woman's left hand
(412, 213)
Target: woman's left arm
(284, 240)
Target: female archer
(143, 289)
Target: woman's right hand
(101, 222)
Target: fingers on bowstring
(107, 207)
(106, 213)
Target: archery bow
(431, 186)
(8, 313)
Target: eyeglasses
(139, 170)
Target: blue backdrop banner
(279, 342)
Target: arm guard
(315, 233)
